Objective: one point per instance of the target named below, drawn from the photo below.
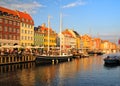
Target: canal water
(89, 71)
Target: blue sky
(99, 18)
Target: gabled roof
(8, 11)
(25, 16)
(44, 28)
(67, 33)
(21, 15)
(76, 33)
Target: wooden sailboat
(53, 58)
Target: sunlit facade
(68, 41)
(52, 36)
(9, 27)
(96, 43)
(38, 37)
(108, 47)
(77, 38)
(26, 29)
(86, 42)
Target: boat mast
(48, 33)
(60, 31)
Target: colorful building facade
(108, 47)
(77, 38)
(86, 42)
(96, 43)
(38, 37)
(26, 29)
(16, 27)
(9, 27)
(51, 38)
(68, 40)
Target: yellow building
(52, 36)
(86, 42)
(26, 29)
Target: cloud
(29, 7)
(74, 4)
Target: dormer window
(26, 20)
(22, 19)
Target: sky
(98, 18)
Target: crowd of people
(19, 51)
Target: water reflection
(78, 72)
(14, 67)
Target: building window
(28, 32)
(22, 38)
(1, 20)
(28, 38)
(25, 25)
(10, 22)
(14, 37)
(22, 19)
(18, 24)
(31, 38)
(22, 31)
(6, 21)
(0, 28)
(5, 29)
(25, 31)
(30, 21)
(18, 37)
(5, 36)
(0, 36)
(26, 20)
(14, 30)
(18, 31)
(25, 37)
(14, 23)
(10, 29)
(9, 36)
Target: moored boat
(53, 59)
(112, 59)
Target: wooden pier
(13, 59)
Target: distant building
(38, 36)
(77, 38)
(86, 42)
(9, 27)
(43, 36)
(96, 43)
(67, 40)
(108, 47)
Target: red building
(9, 27)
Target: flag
(119, 41)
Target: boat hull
(111, 61)
(52, 59)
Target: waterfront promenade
(78, 72)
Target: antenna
(90, 32)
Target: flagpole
(48, 33)
(60, 32)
